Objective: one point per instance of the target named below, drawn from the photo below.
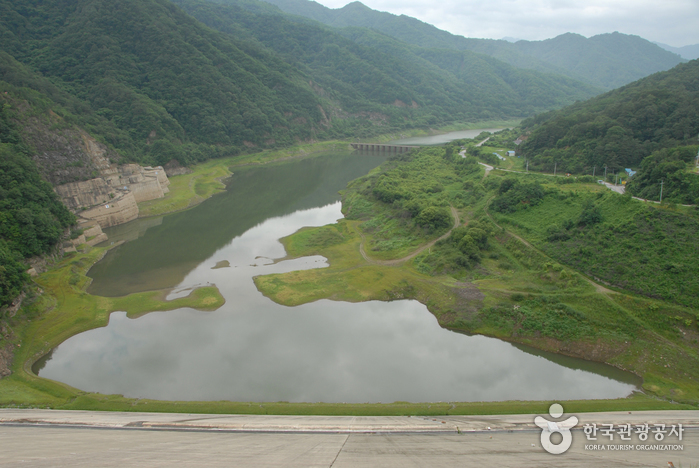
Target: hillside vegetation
(620, 128)
(32, 218)
(358, 69)
(519, 263)
(606, 61)
(155, 83)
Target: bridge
(382, 148)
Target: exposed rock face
(146, 183)
(64, 154)
(118, 211)
(92, 234)
(112, 199)
(83, 173)
(77, 195)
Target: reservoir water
(442, 138)
(253, 349)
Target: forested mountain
(607, 60)
(172, 87)
(160, 84)
(159, 75)
(357, 67)
(32, 217)
(620, 128)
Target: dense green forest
(676, 169)
(359, 68)
(620, 128)
(155, 83)
(606, 61)
(160, 76)
(32, 218)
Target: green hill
(359, 68)
(607, 60)
(160, 75)
(157, 83)
(620, 128)
(32, 218)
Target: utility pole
(593, 170)
(527, 165)
(661, 191)
(605, 173)
(555, 165)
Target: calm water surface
(252, 349)
(443, 138)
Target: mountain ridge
(637, 58)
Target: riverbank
(206, 179)
(507, 289)
(61, 309)
(390, 285)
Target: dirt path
(398, 261)
(598, 287)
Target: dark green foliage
(156, 73)
(591, 214)
(32, 218)
(434, 218)
(156, 84)
(675, 168)
(620, 128)
(369, 72)
(12, 274)
(516, 195)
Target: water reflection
(443, 138)
(255, 350)
(174, 245)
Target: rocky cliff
(112, 198)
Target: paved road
(616, 188)
(43, 438)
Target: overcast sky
(673, 22)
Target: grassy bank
(494, 282)
(63, 309)
(98, 402)
(206, 179)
